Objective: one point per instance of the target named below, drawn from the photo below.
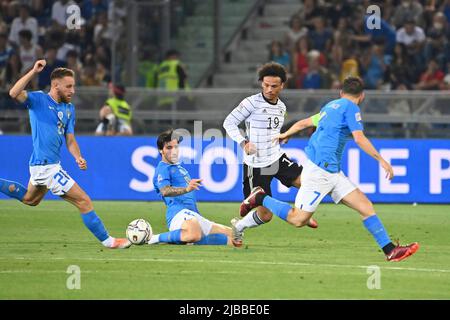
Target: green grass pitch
(277, 261)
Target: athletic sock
(18, 192)
(171, 237)
(251, 220)
(154, 239)
(217, 239)
(95, 225)
(375, 227)
(278, 208)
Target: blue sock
(95, 225)
(171, 237)
(19, 190)
(277, 207)
(216, 239)
(375, 227)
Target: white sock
(154, 239)
(248, 221)
(108, 242)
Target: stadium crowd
(330, 40)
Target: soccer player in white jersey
(52, 119)
(263, 114)
(322, 173)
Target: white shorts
(187, 214)
(317, 183)
(53, 177)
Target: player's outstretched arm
(365, 144)
(169, 191)
(295, 128)
(17, 92)
(74, 149)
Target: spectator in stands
(102, 29)
(29, 52)
(91, 8)
(309, 11)
(350, 65)
(402, 70)
(409, 9)
(321, 36)
(446, 82)
(432, 78)
(316, 77)
(386, 33)
(375, 67)
(71, 41)
(5, 55)
(300, 60)
(22, 22)
(116, 114)
(52, 63)
(412, 36)
(279, 55)
(147, 68)
(171, 76)
(338, 10)
(295, 32)
(437, 46)
(73, 63)
(89, 75)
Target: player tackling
(322, 173)
(52, 119)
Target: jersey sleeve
(33, 98)
(315, 119)
(71, 123)
(162, 178)
(239, 114)
(353, 118)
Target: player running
(52, 119)
(263, 114)
(173, 183)
(322, 173)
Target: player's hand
(194, 184)
(39, 65)
(82, 164)
(388, 168)
(249, 148)
(282, 138)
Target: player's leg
(31, 196)
(183, 228)
(65, 187)
(289, 174)
(358, 201)
(252, 177)
(221, 235)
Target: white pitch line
(304, 264)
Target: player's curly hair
(272, 69)
(166, 137)
(353, 86)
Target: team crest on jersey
(358, 116)
(60, 115)
(68, 114)
(159, 178)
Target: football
(139, 231)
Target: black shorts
(285, 170)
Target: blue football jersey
(50, 122)
(176, 176)
(338, 119)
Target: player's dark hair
(272, 69)
(60, 73)
(166, 137)
(353, 86)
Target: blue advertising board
(122, 168)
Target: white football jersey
(263, 122)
